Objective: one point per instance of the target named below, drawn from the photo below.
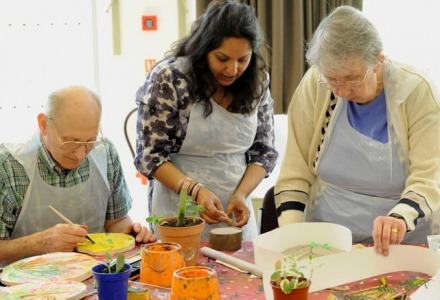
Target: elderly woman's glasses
(75, 145)
(349, 84)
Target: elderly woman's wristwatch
(397, 216)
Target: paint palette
(112, 243)
(49, 267)
(43, 290)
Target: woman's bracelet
(191, 186)
(183, 183)
(195, 191)
(188, 184)
(179, 185)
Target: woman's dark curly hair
(225, 19)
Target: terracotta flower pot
(159, 261)
(301, 293)
(195, 282)
(189, 237)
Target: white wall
(410, 31)
(46, 44)
(121, 75)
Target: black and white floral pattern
(164, 110)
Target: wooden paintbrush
(67, 220)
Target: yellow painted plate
(107, 242)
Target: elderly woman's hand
(387, 231)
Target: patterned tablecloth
(238, 285)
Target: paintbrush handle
(67, 220)
(60, 215)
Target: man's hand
(141, 233)
(63, 237)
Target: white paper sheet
(341, 268)
(268, 247)
(430, 290)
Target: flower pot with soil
(112, 278)
(183, 229)
(288, 281)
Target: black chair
(130, 129)
(269, 218)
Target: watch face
(397, 216)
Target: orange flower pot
(195, 282)
(159, 261)
(188, 237)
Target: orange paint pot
(195, 282)
(158, 263)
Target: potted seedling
(185, 228)
(289, 281)
(112, 277)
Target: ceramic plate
(107, 242)
(43, 290)
(53, 267)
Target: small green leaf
(275, 275)
(108, 256)
(155, 219)
(120, 263)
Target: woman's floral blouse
(165, 107)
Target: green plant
(114, 265)
(187, 206)
(288, 274)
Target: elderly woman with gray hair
(363, 145)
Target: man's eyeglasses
(333, 83)
(74, 145)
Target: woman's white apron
(212, 153)
(358, 179)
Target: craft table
(237, 285)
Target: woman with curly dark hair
(205, 118)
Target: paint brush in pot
(67, 220)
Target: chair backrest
(130, 130)
(280, 127)
(269, 217)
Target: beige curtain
(288, 26)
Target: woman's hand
(387, 231)
(237, 207)
(214, 212)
